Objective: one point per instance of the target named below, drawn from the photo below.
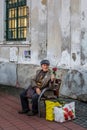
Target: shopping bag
(67, 112)
(49, 109)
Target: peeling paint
(65, 59)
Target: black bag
(30, 92)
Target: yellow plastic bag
(49, 109)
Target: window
(16, 20)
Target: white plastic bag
(64, 113)
(58, 114)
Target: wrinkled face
(45, 67)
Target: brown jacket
(46, 82)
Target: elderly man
(42, 79)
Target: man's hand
(38, 91)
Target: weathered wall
(2, 17)
(8, 74)
(58, 32)
(74, 83)
(24, 73)
(54, 31)
(83, 33)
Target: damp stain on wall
(44, 2)
(74, 56)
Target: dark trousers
(25, 102)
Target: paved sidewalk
(11, 120)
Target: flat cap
(45, 62)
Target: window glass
(22, 22)
(12, 13)
(22, 32)
(22, 11)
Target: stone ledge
(82, 97)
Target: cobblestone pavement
(11, 120)
(81, 114)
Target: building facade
(32, 30)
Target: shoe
(30, 113)
(23, 112)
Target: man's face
(45, 67)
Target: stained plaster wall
(57, 31)
(2, 17)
